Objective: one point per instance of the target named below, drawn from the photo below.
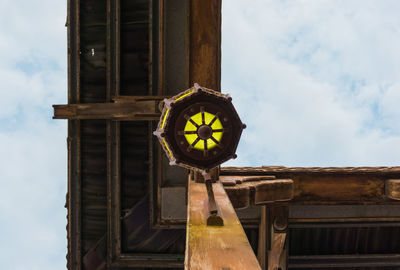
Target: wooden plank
(282, 170)
(214, 247)
(318, 188)
(392, 189)
(346, 188)
(137, 110)
(205, 43)
(257, 190)
(341, 261)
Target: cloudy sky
(316, 82)
(33, 146)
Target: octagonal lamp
(199, 129)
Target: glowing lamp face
(199, 128)
(203, 131)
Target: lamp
(199, 129)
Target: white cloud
(33, 146)
(317, 82)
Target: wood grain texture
(263, 231)
(136, 110)
(276, 170)
(392, 189)
(274, 255)
(338, 188)
(205, 43)
(212, 247)
(318, 186)
(257, 190)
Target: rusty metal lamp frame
(205, 151)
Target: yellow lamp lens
(196, 121)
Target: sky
(33, 155)
(316, 82)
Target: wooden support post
(214, 247)
(262, 238)
(272, 246)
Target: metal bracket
(214, 218)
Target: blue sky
(316, 82)
(33, 160)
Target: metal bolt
(280, 223)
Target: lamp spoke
(195, 141)
(187, 117)
(203, 118)
(214, 140)
(205, 148)
(190, 132)
(214, 119)
(220, 130)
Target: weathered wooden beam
(74, 198)
(258, 190)
(339, 261)
(205, 43)
(214, 247)
(272, 238)
(392, 189)
(278, 238)
(263, 232)
(318, 186)
(124, 108)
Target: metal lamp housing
(199, 128)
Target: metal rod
(212, 206)
(214, 219)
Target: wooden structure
(127, 207)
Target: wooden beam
(392, 189)
(258, 190)
(205, 43)
(122, 109)
(74, 201)
(214, 247)
(341, 261)
(317, 186)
